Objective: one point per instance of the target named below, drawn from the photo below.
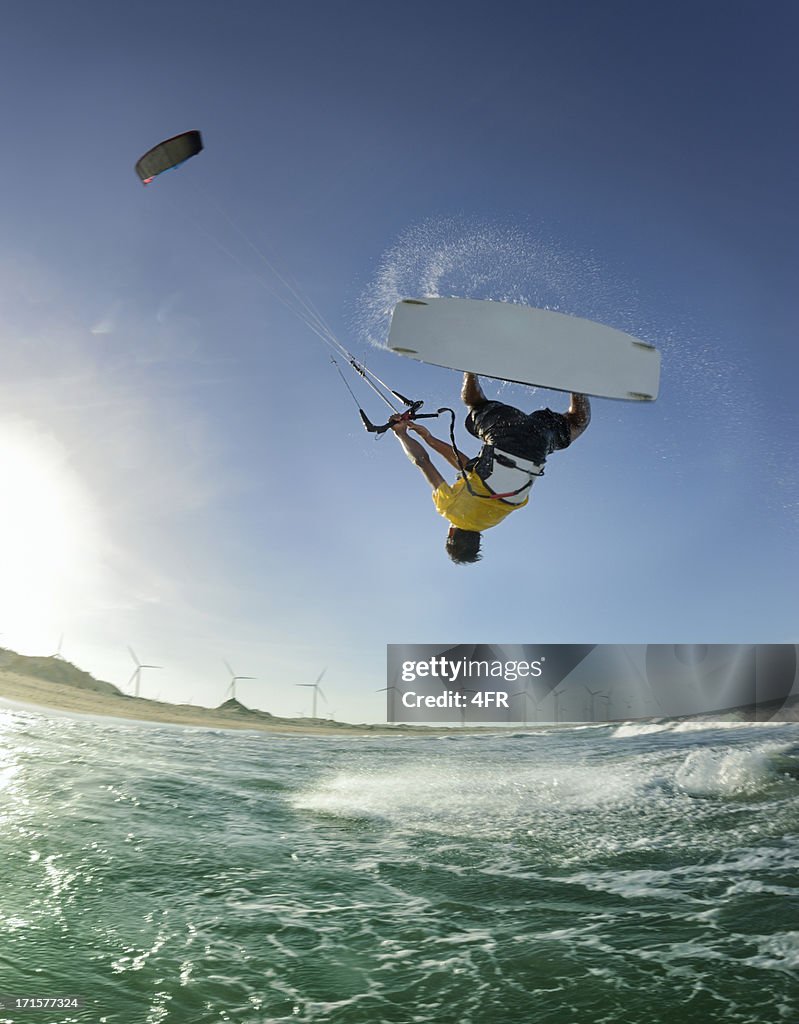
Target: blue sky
(184, 472)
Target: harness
(485, 467)
(488, 457)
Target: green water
(574, 876)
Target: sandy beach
(30, 691)
(24, 683)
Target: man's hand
(399, 424)
(419, 429)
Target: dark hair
(463, 546)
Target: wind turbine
(234, 679)
(527, 696)
(464, 710)
(316, 690)
(392, 713)
(556, 701)
(58, 656)
(593, 694)
(136, 677)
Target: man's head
(463, 546)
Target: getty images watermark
(554, 683)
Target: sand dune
(77, 693)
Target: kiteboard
(527, 346)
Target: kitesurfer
(515, 447)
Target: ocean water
(593, 875)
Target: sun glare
(44, 534)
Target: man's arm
(578, 415)
(443, 448)
(418, 455)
